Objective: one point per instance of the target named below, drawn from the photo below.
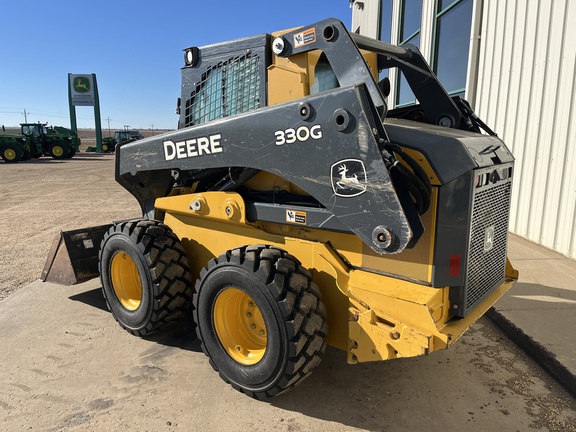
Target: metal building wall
(522, 82)
(365, 17)
(526, 92)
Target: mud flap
(73, 257)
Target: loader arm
(329, 145)
(342, 50)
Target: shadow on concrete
(359, 396)
(92, 298)
(368, 396)
(178, 335)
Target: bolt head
(196, 205)
(278, 46)
(383, 237)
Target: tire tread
(168, 266)
(299, 301)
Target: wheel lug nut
(262, 332)
(238, 348)
(249, 314)
(251, 304)
(253, 326)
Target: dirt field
(40, 197)
(88, 136)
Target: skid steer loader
(292, 210)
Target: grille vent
(488, 242)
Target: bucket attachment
(73, 257)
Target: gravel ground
(40, 197)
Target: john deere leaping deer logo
(81, 84)
(349, 178)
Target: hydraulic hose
(415, 181)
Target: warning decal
(304, 38)
(294, 216)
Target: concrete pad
(65, 364)
(539, 312)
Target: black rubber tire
(12, 153)
(65, 151)
(26, 155)
(291, 307)
(164, 274)
(72, 153)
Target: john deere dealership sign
(82, 90)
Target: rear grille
(488, 235)
(227, 88)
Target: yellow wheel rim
(104, 147)
(240, 326)
(10, 154)
(57, 151)
(126, 281)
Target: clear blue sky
(133, 47)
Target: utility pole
(25, 115)
(152, 128)
(108, 120)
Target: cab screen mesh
(228, 88)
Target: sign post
(83, 91)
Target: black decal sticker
(349, 178)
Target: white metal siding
(525, 92)
(523, 86)
(365, 17)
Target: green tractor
(109, 144)
(14, 148)
(56, 141)
(67, 135)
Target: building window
(410, 20)
(385, 30)
(386, 21)
(410, 23)
(452, 41)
